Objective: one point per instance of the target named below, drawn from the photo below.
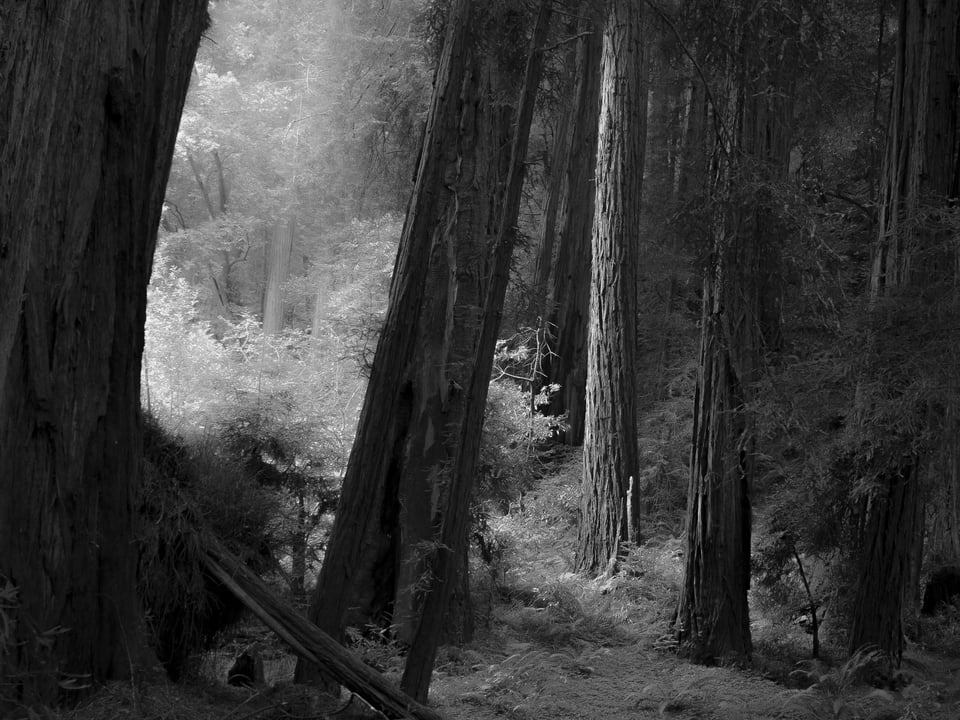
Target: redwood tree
(407, 488)
(753, 114)
(912, 256)
(570, 295)
(609, 511)
(91, 97)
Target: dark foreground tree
(753, 122)
(914, 261)
(398, 546)
(609, 512)
(421, 365)
(91, 97)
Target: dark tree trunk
(359, 568)
(609, 509)
(920, 177)
(740, 320)
(451, 518)
(91, 101)
(570, 297)
(400, 478)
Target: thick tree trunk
(740, 320)
(92, 99)
(299, 539)
(399, 476)
(609, 510)
(713, 619)
(363, 543)
(889, 536)
(570, 297)
(451, 517)
(920, 176)
(536, 315)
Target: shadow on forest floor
(552, 644)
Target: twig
(570, 39)
(721, 129)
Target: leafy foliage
(187, 494)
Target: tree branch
(721, 129)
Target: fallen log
(309, 641)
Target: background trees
(753, 125)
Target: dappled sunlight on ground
(553, 644)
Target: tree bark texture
(400, 477)
(740, 320)
(451, 519)
(570, 296)
(91, 100)
(913, 255)
(609, 511)
(358, 577)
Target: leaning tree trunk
(403, 512)
(91, 101)
(609, 510)
(451, 515)
(399, 474)
(740, 319)
(359, 567)
(567, 324)
(920, 178)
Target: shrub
(187, 496)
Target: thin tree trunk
(278, 264)
(91, 101)
(221, 184)
(609, 511)
(204, 192)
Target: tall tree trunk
(399, 472)
(278, 264)
(609, 509)
(543, 269)
(567, 365)
(920, 178)
(740, 319)
(92, 99)
(451, 516)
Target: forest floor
(552, 644)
